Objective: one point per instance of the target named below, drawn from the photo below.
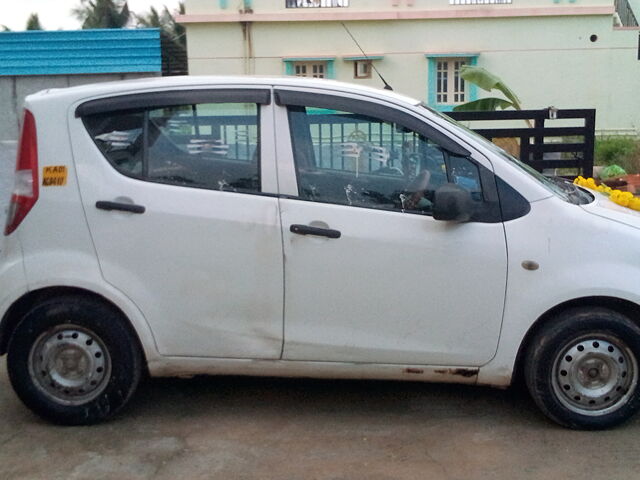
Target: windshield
(557, 185)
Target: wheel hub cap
(595, 375)
(70, 364)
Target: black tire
(582, 368)
(74, 360)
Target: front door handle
(123, 207)
(316, 231)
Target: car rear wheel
(74, 361)
(582, 369)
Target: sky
(56, 14)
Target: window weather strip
(139, 101)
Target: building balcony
(316, 3)
(625, 14)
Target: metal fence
(573, 146)
(174, 58)
(346, 142)
(541, 146)
(234, 136)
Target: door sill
(188, 366)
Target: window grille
(310, 69)
(317, 3)
(450, 86)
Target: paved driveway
(266, 429)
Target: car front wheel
(582, 368)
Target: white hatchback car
(286, 227)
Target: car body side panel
(580, 255)
(395, 287)
(13, 281)
(95, 285)
(53, 247)
(204, 265)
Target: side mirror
(452, 203)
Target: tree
(33, 23)
(172, 38)
(102, 13)
(487, 81)
(166, 22)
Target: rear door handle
(316, 231)
(123, 207)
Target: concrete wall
(13, 90)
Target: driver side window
(352, 159)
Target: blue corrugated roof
(80, 51)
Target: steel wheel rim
(70, 364)
(595, 374)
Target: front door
(184, 228)
(370, 276)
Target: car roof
(196, 81)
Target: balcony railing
(317, 3)
(625, 12)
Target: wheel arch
(22, 306)
(622, 306)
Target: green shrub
(612, 171)
(623, 151)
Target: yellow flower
(634, 203)
(626, 199)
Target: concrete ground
(276, 429)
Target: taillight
(25, 190)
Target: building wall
(548, 60)
(31, 61)
(265, 6)
(14, 89)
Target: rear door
(178, 191)
(370, 275)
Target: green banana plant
(487, 81)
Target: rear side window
(205, 145)
(119, 138)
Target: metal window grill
(317, 3)
(625, 12)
